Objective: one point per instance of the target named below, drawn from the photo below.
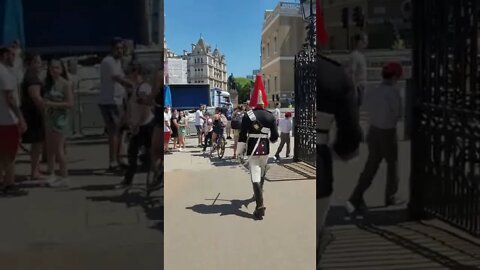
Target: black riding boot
(260, 209)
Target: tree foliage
(244, 87)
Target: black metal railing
(445, 177)
(305, 106)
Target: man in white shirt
(112, 98)
(199, 119)
(358, 66)
(285, 127)
(384, 108)
(12, 124)
(140, 122)
(277, 113)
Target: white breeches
(258, 165)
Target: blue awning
(11, 21)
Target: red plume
(258, 90)
(322, 35)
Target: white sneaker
(51, 179)
(61, 182)
(180, 149)
(350, 207)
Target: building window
(275, 45)
(263, 53)
(275, 85)
(268, 50)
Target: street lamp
(309, 14)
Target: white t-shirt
(111, 92)
(358, 68)
(166, 118)
(208, 126)
(198, 118)
(7, 83)
(277, 113)
(137, 109)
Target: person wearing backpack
(236, 126)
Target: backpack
(237, 121)
(223, 121)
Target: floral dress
(183, 129)
(58, 119)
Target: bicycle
(219, 147)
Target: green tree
(244, 87)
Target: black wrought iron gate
(305, 106)
(445, 177)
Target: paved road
(208, 216)
(89, 226)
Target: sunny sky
(235, 26)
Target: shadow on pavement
(371, 241)
(377, 216)
(88, 143)
(28, 162)
(90, 172)
(417, 248)
(234, 208)
(94, 188)
(152, 205)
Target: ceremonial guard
(258, 130)
(336, 102)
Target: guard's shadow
(234, 208)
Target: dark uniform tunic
(265, 119)
(335, 101)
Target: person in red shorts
(12, 124)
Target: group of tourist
(35, 109)
(224, 121)
(175, 129)
(131, 107)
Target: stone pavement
(88, 226)
(208, 216)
